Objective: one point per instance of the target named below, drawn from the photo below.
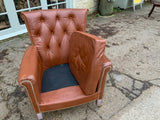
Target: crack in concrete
(86, 112)
(134, 92)
(95, 112)
(119, 110)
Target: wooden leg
(39, 116)
(99, 102)
(151, 10)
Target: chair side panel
(86, 60)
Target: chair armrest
(30, 75)
(31, 66)
(107, 66)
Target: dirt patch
(18, 93)
(108, 46)
(115, 44)
(145, 47)
(104, 30)
(3, 53)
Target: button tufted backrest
(50, 32)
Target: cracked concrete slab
(113, 101)
(129, 86)
(133, 46)
(146, 107)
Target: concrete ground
(132, 89)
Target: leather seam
(104, 69)
(29, 95)
(68, 107)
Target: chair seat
(64, 97)
(57, 77)
(61, 90)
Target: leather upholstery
(64, 98)
(31, 70)
(50, 31)
(56, 40)
(86, 58)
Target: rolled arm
(30, 75)
(107, 63)
(31, 66)
(107, 66)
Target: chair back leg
(151, 10)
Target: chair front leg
(107, 67)
(39, 116)
(99, 102)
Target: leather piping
(66, 107)
(29, 95)
(104, 69)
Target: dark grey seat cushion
(57, 77)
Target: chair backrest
(50, 32)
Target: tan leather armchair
(65, 66)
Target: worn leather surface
(63, 98)
(50, 32)
(86, 58)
